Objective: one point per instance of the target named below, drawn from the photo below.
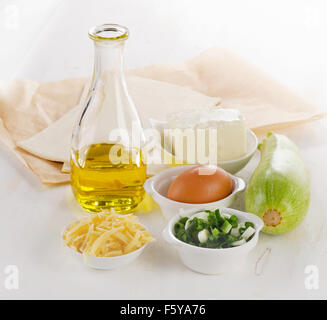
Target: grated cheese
(106, 235)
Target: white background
(47, 40)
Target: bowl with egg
(213, 241)
(192, 187)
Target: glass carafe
(107, 170)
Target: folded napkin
(28, 107)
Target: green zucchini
(279, 189)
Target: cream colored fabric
(152, 98)
(265, 103)
(28, 107)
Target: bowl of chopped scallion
(213, 241)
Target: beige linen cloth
(27, 107)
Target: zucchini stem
(272, 218)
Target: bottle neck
(108, 60)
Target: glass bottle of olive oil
(107, 170)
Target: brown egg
(201, 184)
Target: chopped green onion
(235, 232)
(241, 230)
(248, 233)
(213, 229)
(249, 224)
(215, 232)
(226, 227)
(233, 221)
(183, 220)
(203, 236)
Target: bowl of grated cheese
(106, 240)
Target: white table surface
(47, 40)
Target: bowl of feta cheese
(207, 135)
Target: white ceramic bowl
(157, 186)
(107, 263)
(233, 166)
(213, 261)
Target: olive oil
(107, 170)
(103, 178)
